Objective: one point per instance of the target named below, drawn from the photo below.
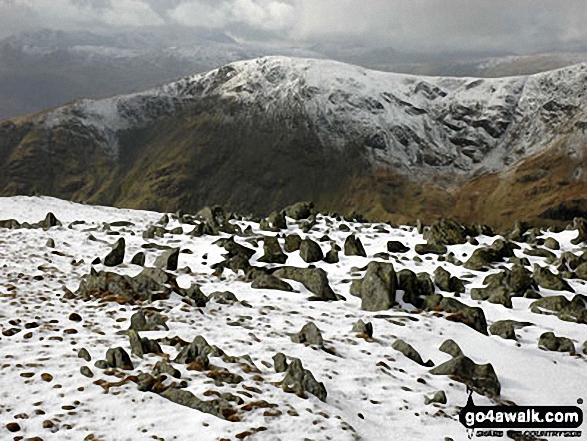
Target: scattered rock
(168, 260)
(482, 258)
(430, 249)
(292, 243)
(309, 334)
(118, 358)
(314, 279)
(280, 363)
(301, 380)
(116, 256)
(445, 232)
(218, 407)
(310, 251)
(552, 243)
(86, 372)
(299, 210)
(223, 298)
(448, 283)
(470, 316)
(503, 328)
(551, 342)
(362, 328)
(451, 348)
(269, 281)
(83, 353)
(439, 397)
(332, 256)
(50, 243)
(139, 259)
(481, 378)
(75, 317)
(140, 345)
(13, 427)
(272, 251)
(377, 288)
(394, 246)
(546, 279)
(409, 351)
(354, 247)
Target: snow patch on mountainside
(405, 121)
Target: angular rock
(482, 258)
(292, 243)
(277, 220)
(451, 348)
(168, 260)
(574, 310)
(430, 249)
(140, 346)
(301, 380)
(559, 344)
(310, 251)
(299, 210)
(314, 279)
(138, 259)
(480, 378)
(377, 288)
(439, 397)
(409, 351)
(223, 298)
(360, 327)
(218, 407)
(503, 328)
(470, 316)
(272, 251)
(116, 256)
(546, 279)
(354, 247)
(309, 334)
(269, 281)
(332, 256)
(280, 363)
(446, 232)
(118, 358)
(394, 246)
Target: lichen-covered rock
(451, 348)
(218, 407)
(277, 220)
(377, 288)
(292, 243)
(332, 255)
(548, 280)
(168, 260)
(503, 328)
(116, 256)
(394, 246)
(309, 334)
(314, 279)
(354, 247)
(580, 225)
(301, 380)
(425, 248)
(280, 363)
(448, 283)
(411, 353)
(118, 358)
(439, 397)
(482, 258)
(272, 251)
(470, 316)
(480, 378)
(366, 329)
(446, 232)
(574, 310)
(269, 281)
(141, 345)
(559, 344)
(197, 351)
(415, 287)
(152, 321)
(138, 259)
(299, 210)
(310, 251)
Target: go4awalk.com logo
(524, 421)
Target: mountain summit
(260, 134)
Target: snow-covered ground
(374, 392)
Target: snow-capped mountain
(291, 128)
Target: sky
(425, 26)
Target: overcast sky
(407, 25)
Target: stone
(272, 251)
(480, 378)
(168, 260)
(451, 348)
(548, 280)
(332, 256)
(50, 243)
(277, 220)
(141, 346)
(448, 283)
(301, 380)
(86, 372)
(354, 247)
(269, 281)
(118, 358)
(314, 280)
(299, 210)
(292, 243)
(83, 353)
(197, 351)
(551, 342)
(280, 363)
(138, 259)
(573, 311)
(409, 351)
(310, 251)
(218, 407)
(430, 249)
(470, 316)
(116, 256)
(439, 397)
(580, 225)
(154, 321)
(504, 329)
(482, 258)
(412, 286)
(13, 427)
(366, 329)
(394, 246)
(309, 334)
(162, 367)
(446, 232)
(223, 298)
(377, 288)
(552, 243)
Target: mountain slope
(260, 134)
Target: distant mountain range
(260, 134)
(48, 68)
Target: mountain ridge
(276, 123)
